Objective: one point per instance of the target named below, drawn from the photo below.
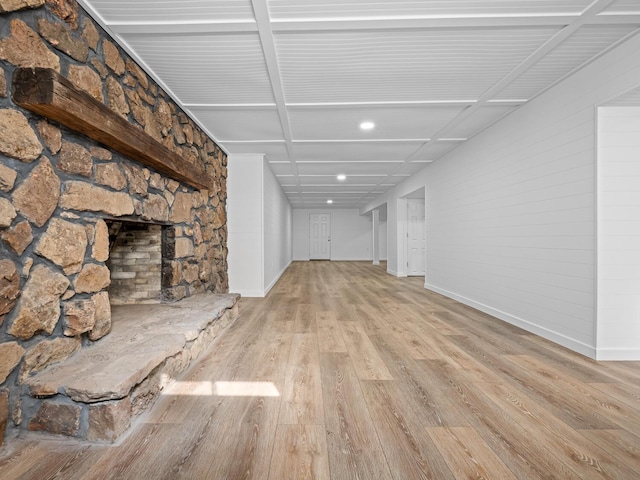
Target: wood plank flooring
(345, 372)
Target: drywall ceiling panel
(343, 123)
(207, 69)
(330, 180)
(281, 168)
(623, 7)
(240, 124)
(435, 150)
(403, 65)
(354, 151)
(482, 118)
(582, 46)
(274, 152)
(333, 195)
(146, 11)
(361, 189)
(352, 9)
(347, 168)
(411, 168)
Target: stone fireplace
(89, 220)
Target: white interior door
(416, 244)
(320, 236)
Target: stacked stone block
(57, 187)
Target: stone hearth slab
(142, 338)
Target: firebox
(138, 255)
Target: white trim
(250, 293)
(362, 259)
(401, 237)
(275, 280)
(262, 238)
(368, 259)
(262, 294)
(618, 354)
(596, 221)
(555, 337)
(396, 274)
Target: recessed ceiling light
(329, 201)
(342, 177)
(367, 126)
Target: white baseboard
(259, 293)
(275, 280)
(249, 293)
(352, 259)
(618, 354)
(395, 274)
(337, 260)
(555, 337)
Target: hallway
(344, 371)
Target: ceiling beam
(261, 12)
(345, 105)
(183, 28)
(329, 25)
(404, 23)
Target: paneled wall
(511, 214)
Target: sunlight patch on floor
(195, 389)
(246, 389)
(223, 389)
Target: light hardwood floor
(346, 372)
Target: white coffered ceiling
(293, 79)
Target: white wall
(350, 234)
(510, 214)
(382, 239)
(259, 226)
(244, 214)
(618, 335)
(392, 234)
(277, 229)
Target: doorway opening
(416, 248)
(412, 235)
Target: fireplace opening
(135, 262)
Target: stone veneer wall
(57, 186)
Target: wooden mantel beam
(47, 93)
